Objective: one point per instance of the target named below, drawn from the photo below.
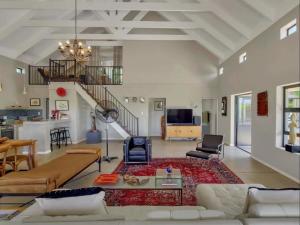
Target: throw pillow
(84, 201)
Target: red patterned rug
(193, 171)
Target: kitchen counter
(40, 131)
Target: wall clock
(61, 92)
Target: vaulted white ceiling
(31, 29)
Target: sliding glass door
(243, 122)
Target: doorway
(243, 121)
(157, 108)
(209, 116)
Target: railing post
(105, 93)
(29, 74)
(137, 126)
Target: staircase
(89, 81)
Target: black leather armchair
(210, 145)
(137, 149)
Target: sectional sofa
(219, 204)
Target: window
(288, 29)
(221, 71)
(291, 104)
(20, 71)
(243, 57)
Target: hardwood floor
(240, 162)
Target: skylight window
(243, 57)
(288, 29)
(221, 71)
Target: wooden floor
(240, 162)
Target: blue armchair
(137, 150)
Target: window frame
(287, 110)
(290, 28)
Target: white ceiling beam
(119, 37)
(30, 41)
(39, 35)
(228, 18)
(196, 37)
(14, 24)
(105, 43)
(45, 52)
(216, 33)
(124, 24)
(138, 17)
(104, 16)
(103, 6)
(259, 6)
(206, 44)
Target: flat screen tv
(179, 116)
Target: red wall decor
(61, 92)
(262, 104)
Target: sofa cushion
(190, 222)
(211, 214)
(271, 196)
(72, 218)
(83, 201)
(191, 214)
(271, 221)
(159, 215)
(228, 198)
(274, 210)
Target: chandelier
(75, 49)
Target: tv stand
(182, 131)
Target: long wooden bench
(51, 175)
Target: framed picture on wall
(224, 106)
(62, 105)
(262, 104)
(158, 105)
(35, 102)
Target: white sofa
(219, 204)
(232, 199)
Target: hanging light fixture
(75, 49)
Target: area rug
(194, 172)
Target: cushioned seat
(229, 198)
(208, 150)
(197, 154)
(137, 150)
(50, 175)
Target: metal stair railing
(127, 120)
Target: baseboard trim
(277, 170)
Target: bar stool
(15, 160)
(4, 148)
(54, 138)
(64, 135)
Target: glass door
(243, 122)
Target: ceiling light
(75, 49)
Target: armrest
(220, 146)
(199, 143)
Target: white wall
(13, 86)
(271, 62)
(181, 71)
(79, 110)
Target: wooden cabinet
(183, 132)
